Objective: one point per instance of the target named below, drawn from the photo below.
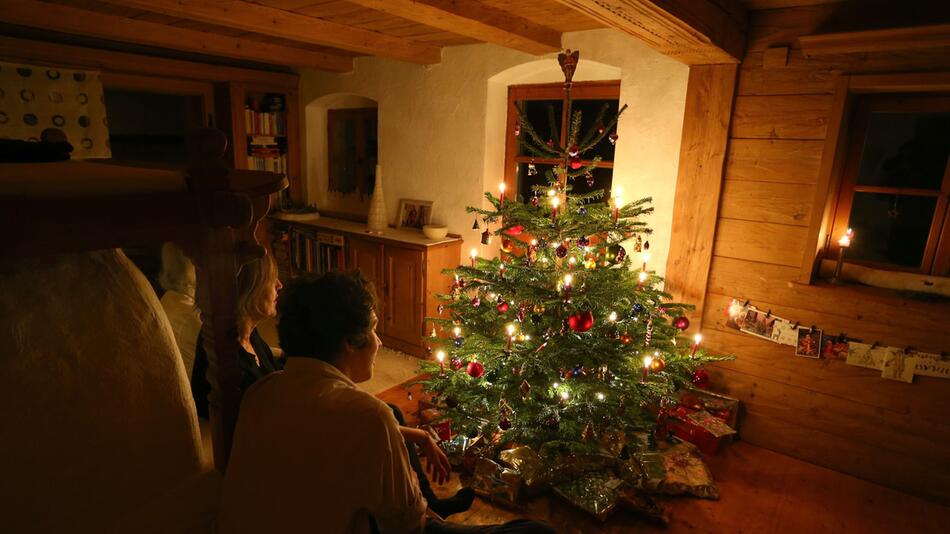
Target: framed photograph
(414, 213)
(809, 343)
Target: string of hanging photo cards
(895, 363)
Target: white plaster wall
(442, 127)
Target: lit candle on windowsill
(441, 357)
(474, 254)
(696, 339)
(844, 243)
(647, 362)
(501, 195)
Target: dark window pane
(589, 114)
(891, 229)
(526, 180)
(602, 180)
(905, 150)
(539, 114)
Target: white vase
(376, 221)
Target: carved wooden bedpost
(231, 203)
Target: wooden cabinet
(403, 294)
(404, 266)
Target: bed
(52, 211)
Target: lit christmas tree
(561, 338)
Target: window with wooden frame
(352, 146)
(545, 106)
(895, 184)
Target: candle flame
(647, 360)
(474, 253)
(567, 280)
(440, 356)
(501, 187)
(697, 338)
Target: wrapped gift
(643, 504)
(559, 466)
(496, 483)
(702, 418)
(676, 471)
(699, 428)
(720, 406)
(528, 463)
(455, 448)
(595, 493)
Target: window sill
(927, 287)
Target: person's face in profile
(269, 297)
(363, 359)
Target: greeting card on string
(865, 355)
(932, 365)
(898, 365)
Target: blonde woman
(257, 301)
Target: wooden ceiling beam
(293, 26)
(67, 19)
(695, 32)
(473, 19)
(889, 39)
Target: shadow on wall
(317, 165)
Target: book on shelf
(316, 252)
(265, 123)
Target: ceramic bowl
(435, 231)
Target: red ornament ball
(573, 151)
(515, 230)
(561, 251)
(581, 322)
(504, 424)
(681, 322)
(701, 378)
(576, 163)
(626, 338)
(502, 307)
(475, 369)
(476, 302)
(456, 364)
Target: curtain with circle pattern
(34, 98)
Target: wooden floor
(762, 491)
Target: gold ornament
(588, 433)
(525, 389)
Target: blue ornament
(582, 211)
(637, 308)
(459, 341)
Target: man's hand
(436, 460)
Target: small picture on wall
(758, 323)
(414, 213)
(809, 343)
(834, 349)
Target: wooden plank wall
(825, 412)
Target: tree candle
(696, 339)
(441, 357)
(501, 195)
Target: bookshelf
(263, 122)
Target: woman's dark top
(250, 371)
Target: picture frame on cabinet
(414, 213)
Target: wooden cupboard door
(367, 256)
(404, 294)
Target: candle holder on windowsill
(843, 244)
